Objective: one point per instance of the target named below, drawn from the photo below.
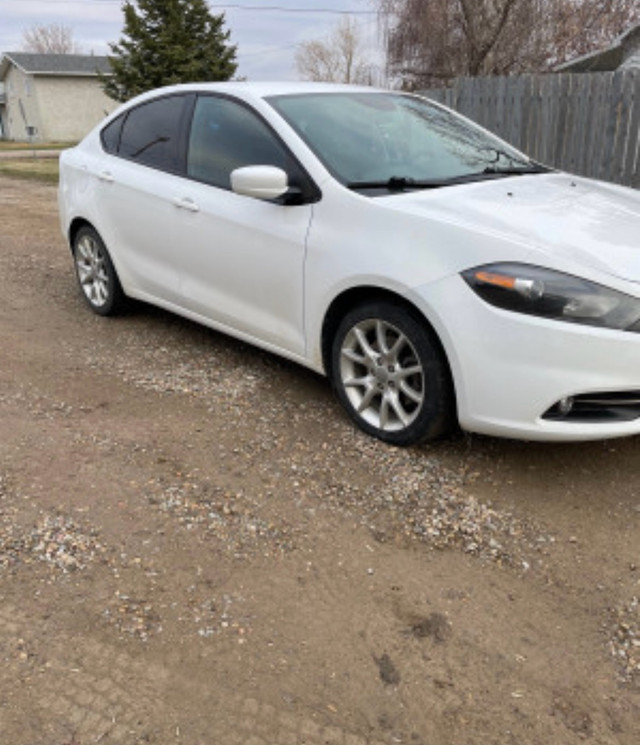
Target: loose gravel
(56, 540)
(221, 514)
(624, 643)
(418, 496)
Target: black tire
(96, 275)
(390, 374)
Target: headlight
(543, 292)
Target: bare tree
(52, 39)
(429, 42)
(338, 60)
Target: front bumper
(509, 369)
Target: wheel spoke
(399, 409)
(84, 273)
(393, 353)
(364, 344)
(353, 356)
(84, 248)
(384, 412)
(364, 382)
(367, 398)
(406, 372)
(381, 334)
(101, 291)
(416, 396)
(90, 250)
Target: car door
(138, 184)
(242, 259)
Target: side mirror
(260, 182)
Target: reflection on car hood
(587, 222)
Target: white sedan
(432, 272)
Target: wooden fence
(587, 124)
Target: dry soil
(196, 547)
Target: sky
(266, 33)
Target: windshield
(395, 141)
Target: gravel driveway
(197, 547)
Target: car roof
(259, 90)
(276, 88)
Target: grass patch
(35, 169)
(6, 145)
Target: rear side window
(110, 135)
(225, 135)
(150, 133)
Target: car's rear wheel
(390, 374)
(96, 274)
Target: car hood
(577, 220)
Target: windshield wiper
(524, 169)
(398, 183)
(406, 183)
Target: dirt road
(196, 547)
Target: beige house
(51, 97)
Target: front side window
(150, 133)
(225, 135)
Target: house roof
(54, 64)
(609, 59)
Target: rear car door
(137, 194)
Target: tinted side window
(150, 133)
(225, 135)
(110, 135)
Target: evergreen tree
(166, 42)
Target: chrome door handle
(106, 176)
(186, 204)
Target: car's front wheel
(95, 272)
(390, 374)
